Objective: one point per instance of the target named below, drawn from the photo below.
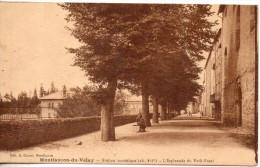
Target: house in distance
(50, 102)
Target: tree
(169, 34)
(48, 92)
(174, 82)
(53, 89)
(64, 91)
(23, 102)
(155, 109)
(35, 93)
(102, 55)
(34, 101)
(120, 42)
(80, 104)
(119, 103)
(42, 91)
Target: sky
(32, 48)
(214, 17)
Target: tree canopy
(152, 47)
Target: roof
(54, 96)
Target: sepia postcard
(128, 83)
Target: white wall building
(50, 102)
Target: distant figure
(139, 116)
(140, 122)
(142, 125)
(189, 113)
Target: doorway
(239, 107)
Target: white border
(243, 2)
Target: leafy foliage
(80, 104)
(23, 104)
(133, 42)
(148, 46)
(86, 102)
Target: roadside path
(197, 142)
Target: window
(52, 105)
(213, 66)
(225, 52)
(49, 105)
(238, 28)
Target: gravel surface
(183, 142)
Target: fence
(38, 113)
(14, 117)
(16, 114)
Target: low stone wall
(20, 134)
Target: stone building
(230, 73)
(217, 97)
(209, 85)
(238, 73)
(212, 80)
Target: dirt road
(197, 142)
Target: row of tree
(23, 103)
(149, 49)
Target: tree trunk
(145, 103)
(164, 110)
(112, 126)
(107, 113)
(155, 110)
(170, 111)
(105, 124)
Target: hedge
(20, 134)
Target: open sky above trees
(34, 51)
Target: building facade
(50, 103)
(209, 85)
(212, 81)
(133, 105)
(239, 50)
(230, 73)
